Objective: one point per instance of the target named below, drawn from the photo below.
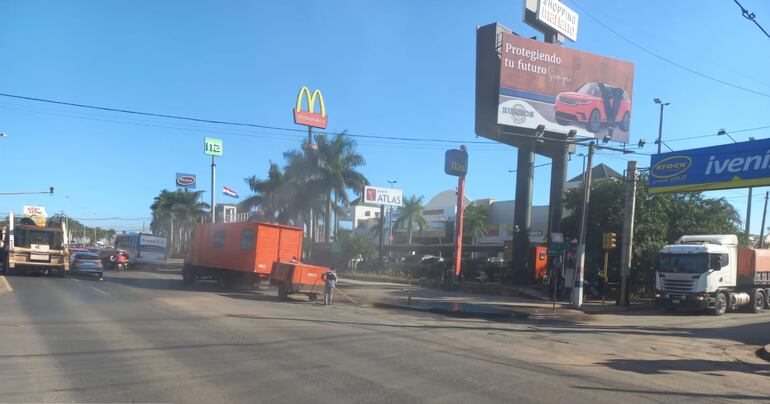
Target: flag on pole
(229, 192)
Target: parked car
(594, 104)
(87, 263)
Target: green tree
(475, 222)
(174, 214)
(660, 219)
(411, 214)
(355, 245)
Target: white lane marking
(100, 291)
(5, 285)
(75, 279)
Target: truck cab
(692, 271)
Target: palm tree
(271, 195)
(475, 222)
(325, 172)
(173, 215)
(410, 214)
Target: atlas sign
(310, 117)
(383, 196)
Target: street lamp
(660, 124)
(390, 218)
(723, 132)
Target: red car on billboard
(594, 104)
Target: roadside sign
(456, 162)
(383, 196)
(186, 180)
(557, 237)
(212, 147)
(36, 213)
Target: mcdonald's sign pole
(311, 119)
(456, 164)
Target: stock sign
(735, 165)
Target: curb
(475, 311)
(764, 352)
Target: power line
(667, 60)
(716, 134)
(231, 123)
(751, 17)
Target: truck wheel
(767, 299)
(720, 305)
(188, 276)
(757, 301)
(313, 297)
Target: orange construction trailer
(251, 252)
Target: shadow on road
(677, 393)
(654, 367)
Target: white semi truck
(710, 272)
(26, 247)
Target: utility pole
(577, 289)
(382, 230)
(213, 190)
(390, 218)
(628, 233)
(748, 218)
(762, 230)
(458, 250)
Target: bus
(143, 248)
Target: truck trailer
(711, 272)
(27, 248)
(252, 252)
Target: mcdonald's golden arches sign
(311, 116)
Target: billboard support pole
(522, 218)
(577, 289)
(458, 253)
(748, 217)
(213, 190)
(762, 229)
(382, 230)
(558, 177)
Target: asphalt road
(140, 336)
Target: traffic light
(50, 190)
(609, 241)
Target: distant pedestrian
(330, 282)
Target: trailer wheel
(313, 297)
(283, 294)
(188, 276)
(224, 279)
(757, 301)
(767, 299)
(720, 305)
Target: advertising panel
(188, 181)
(563, 89)
(456, 162)
(212, 146)
(735, 165)
(383, 196)
(310, 117)
(36, 213)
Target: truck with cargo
(252, 252)
(711, 272)
(28, 248)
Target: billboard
(188, 181)
(383, 196)
(735, 165)
(310, 117)
(563, 89)
(36, 213)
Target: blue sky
(395, 68)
